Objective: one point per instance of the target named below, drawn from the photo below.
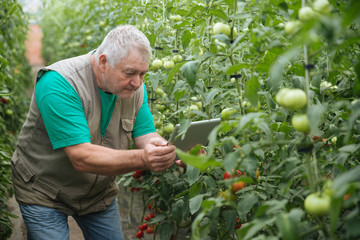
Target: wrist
(143, 160)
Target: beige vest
(47, 177)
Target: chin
(127, 94)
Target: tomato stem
(130, 211)
(307, 71)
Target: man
(75, 140)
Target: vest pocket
(45, 187)
(38, 184)
(25, 173)
(127, 126)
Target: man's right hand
(158, 155)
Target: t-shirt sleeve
(144, 123)
(61, 111)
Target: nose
(136, 81)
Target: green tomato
(227, 112)
(9, 112)
(102, 24)
(279, 98)
(322, 6)
(292, 26)
(175, 18)
(193, 107)
(317, 204)
(158, 124)
(160, 131)
(168, 128)
(221, 28)
(159, 92)
(327, 188)
(199, 104)
(333, 140)
(160, 107)
(293, 99)
(300, 122)
(234, 32)
(169, 64)
(177, 58)
(227, 195)
(157, 63)
(306, 14)
(189, 110)
(249, 108)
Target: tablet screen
(196, 134)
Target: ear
(102, 62)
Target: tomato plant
(308, 50)
(15, 79)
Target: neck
(97, 72)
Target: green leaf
(195, 203)
(235, 68)
(230, 3)
(179, 94)
(173, 71)
(178, 210)
(230, 161)
(189, 69)
(277, 69)
(352, 12)
(314, 113)
(248, 200)
(335, 210)
(230, 219)
(165, 230)
(251, 91)
(192, 174)
(218, 13)
(288, 227)
(209, 96)
(351, 148)
(184, 126)
(186, 38)
(200, 161)
(341, 182)
(154, 79)
(195, 9)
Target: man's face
(125, 77)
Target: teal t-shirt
(64, 117)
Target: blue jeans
(43, 223)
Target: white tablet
(196, 134)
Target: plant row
(284, 78)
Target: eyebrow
(135, 70)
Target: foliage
(242, 70)
(15, 73)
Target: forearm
(96, 159)
(154, 155)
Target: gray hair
(120, 41)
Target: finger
(159, 167)
(180, 163)
(161, 151)
(158, 142)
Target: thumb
(158, 142)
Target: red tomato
(227, 175)
(236, 186)
(140, 234)
(143, 227)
